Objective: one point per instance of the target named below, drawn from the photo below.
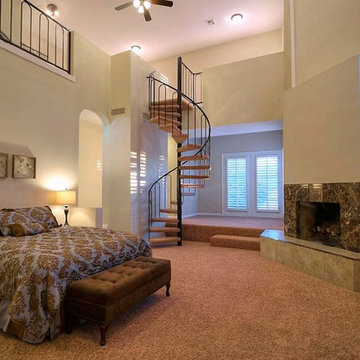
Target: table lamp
(66, 198)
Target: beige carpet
(225, 304)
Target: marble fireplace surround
(346, 194)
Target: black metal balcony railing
(25, 26)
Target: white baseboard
(190, 215)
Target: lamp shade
(66, 197)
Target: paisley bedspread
(35, 271)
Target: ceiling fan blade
(163, 3)
(124, 6)
(147, 15)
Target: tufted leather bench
(104, 296)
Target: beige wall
(136, 150)
(245, 91)
(322, 127)
(39, 116)
(264, 44)
(326, 34)
(90, 186)
(210, 198)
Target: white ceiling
(172, 31)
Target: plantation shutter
(267, 183)
(236, 183)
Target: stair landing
(202, 228)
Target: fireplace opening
(319, 221)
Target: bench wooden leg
(168, 290)
(69, 326)
(103, 330)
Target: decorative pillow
(9, 217)
(22, 229)
(41, 215)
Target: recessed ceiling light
(237, 18)
(136, 49)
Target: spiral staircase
(178, 112)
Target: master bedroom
(175, 181)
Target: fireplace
(319, 221)
(328, 213)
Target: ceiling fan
(143, 6)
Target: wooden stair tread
(195, 177)
(180, 138)
(165, 220)
(189, 147)
(184, 103)
(165, 107)
(192, 186)
(194, 157)
(162, 121)
(165, 230)
(195, 167)
(164, 240)
(238, 242)
(168, 211)
(170, 128)
(168, 114)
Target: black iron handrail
(33, 31)
(187, 90)
(208, 140)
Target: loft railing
(25, 26)
(191, 82)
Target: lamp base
(66, 212)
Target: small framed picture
(24, 167)
(3, 165)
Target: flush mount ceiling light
(136, 49)
(237, 18)
(52, 10)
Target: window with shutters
(267, 183)
(236, 170)
(253, 184)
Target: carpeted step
(237, 242)
(165, 229)
(164, 240)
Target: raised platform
(337, 266)
(202, 228)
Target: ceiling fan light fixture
(141, 9)
(147, 4)
(136, 3)
(237, 18)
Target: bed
(36, 269)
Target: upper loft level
(26, 27)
